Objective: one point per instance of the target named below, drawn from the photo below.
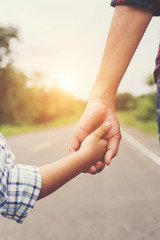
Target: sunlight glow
(67, 83)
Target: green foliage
(139, 111)
(20, 104)
(130, 119)
(146, 107)
(9, 130)
(24, 105)
(125, 101)
(149, 80)
(7, 34)
(12, 94)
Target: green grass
(126, 117)
(8, 130)
(129, 118)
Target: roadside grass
(129, 118)
(9, 130)
(126, 117)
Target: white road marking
(148, 153)
(41, 146)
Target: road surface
(121, 203)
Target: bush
(146, 108)
(125, 101)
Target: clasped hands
(97, 112)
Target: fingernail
(107, 123)
(108, 162)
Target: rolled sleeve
(19, 185)
(150, 5)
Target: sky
(64, 41)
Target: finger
(75, 145)
(79, 135)
(108, 157)
(112, 149)
(102, 130)
(99, 166)
(104, 142)
(91, 170)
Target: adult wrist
(104, 89)
(103, 96)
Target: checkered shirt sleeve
(19, 185)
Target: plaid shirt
(19, 185)
(158, 102)
(157, 80)
(157, 65)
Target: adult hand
(96, 112)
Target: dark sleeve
(150, 5)
(157, 65)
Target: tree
(125, 101)
(150, 81)
(7, 34)
(24, 100)
(146, 109)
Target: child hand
(94, 146)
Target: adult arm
(127, 28)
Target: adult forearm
(127, 28)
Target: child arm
(56, 174)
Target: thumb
(102, 130)
(75, 145)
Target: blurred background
(50, 52)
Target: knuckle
(119, 137)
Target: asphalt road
(121, 203)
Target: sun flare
(66, 83)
